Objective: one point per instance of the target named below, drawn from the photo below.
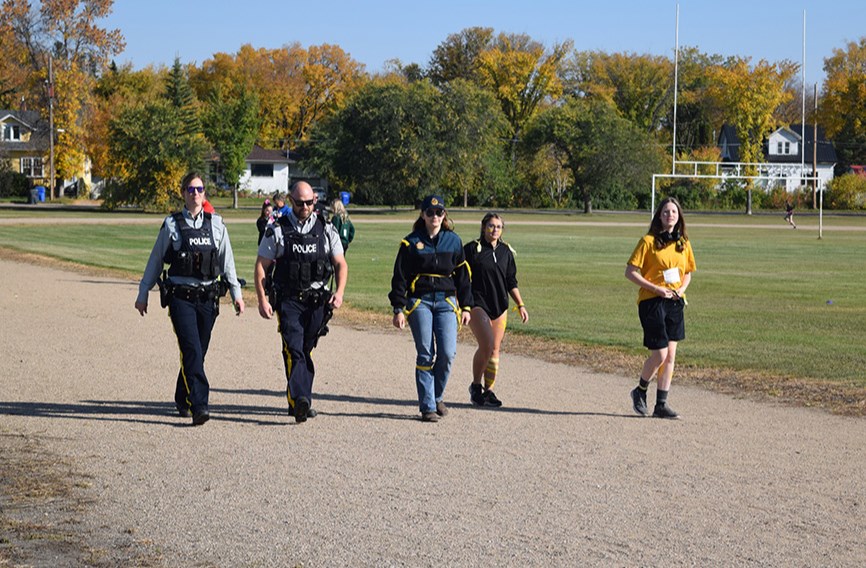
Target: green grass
(757, 302)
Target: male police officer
(307, 251)
(196, 246)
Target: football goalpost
(735, 171)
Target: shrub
(13, 184)
(847, 192)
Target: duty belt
(195, 293)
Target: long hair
(339, 209)
(265, 205)
(421, 225)
(662, 237)
(189, 177)
(487, 219)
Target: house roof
(826, 151)
(263, 155)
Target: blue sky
(375, 31)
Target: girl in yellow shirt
(661, 265)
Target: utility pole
(51, 125)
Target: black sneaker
(664, 411)
(638, 401)
(491, 400)
(302, 407)
(200, 418)
(476, 395)
(312, 413)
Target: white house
(783, 156)
(266, 172)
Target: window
(779, 147)
(31, 167)
(262, 170)
(787, 147)
(12, 132)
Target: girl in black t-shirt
(494, 279)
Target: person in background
(661, 265)
(789, 213)
(494, 278)
(340, 220)
(280, 207)
(306, 251)
(196, 246)
(431, 290)
(266, 217)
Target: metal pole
(51, 125)
(676, 82)
(803, 123)
(653, 200)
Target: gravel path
(563, 475)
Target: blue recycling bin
(40, 193)
(344, 197)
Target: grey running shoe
(441, 409)
(491, 400)
(664, 411)
(638, 401)
(476, 395)
(429, 417)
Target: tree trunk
(587, 203)
(234, 198)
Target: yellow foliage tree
(748, 97)
(521, 74)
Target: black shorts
(662, 321)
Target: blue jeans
(433, 321)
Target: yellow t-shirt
(665, 267)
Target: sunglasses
(434, 211)
(303, 202)
(193, 189)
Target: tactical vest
(304, 260)
(198, 254)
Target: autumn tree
(842, 106)
(641, 87)
(473, 127)
(231, 124)
(458, 56)
(117, 88)
(66, 31)
(748, 96)
(385, 145)
(521, 74)
(611, 161)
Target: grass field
(765, 298)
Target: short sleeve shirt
(664, 267)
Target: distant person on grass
(661, 264)
(340, 220)
(789, 213)
(266, 217)
(430, 289)
(494, 278)
(195, 244)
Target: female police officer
(196, 247)
(429, 272)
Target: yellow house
(24, 144)
(24, 147)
